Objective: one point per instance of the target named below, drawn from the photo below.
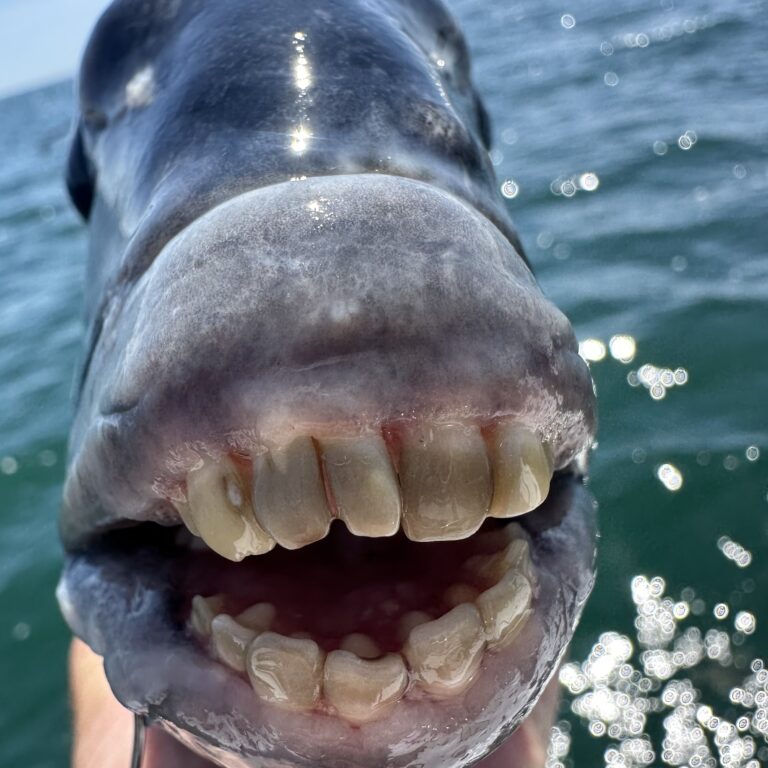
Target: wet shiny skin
(691, 301)
(270, 266)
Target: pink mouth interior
(343, 584)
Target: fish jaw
(125, 604)
(283, 335)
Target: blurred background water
(631, 140)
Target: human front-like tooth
(285, 671)
(231, 640)
(361, 645)
(444, 654)
(288, 494)
(489, 569)
(362, 479)
(446, 481)
(258, 617)
(203, 611)
(505, 608)
(522, 470)
(361, 690)
(221, 511)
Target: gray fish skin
(293, 216)
(414, 297)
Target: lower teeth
(285, 670)
(358, 682)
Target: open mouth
(347, 627)
(323, 507)
(375, 585)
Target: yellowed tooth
(258, 617)
(361, 690)
(221, 511)
(203, 611)
(489, 569)
(182, 507)
(522, 470)
(363, 482)
(446, 481)
(361, 645)
(285, 671)
(505, 608)
(288, 494)
(230, 641)
(445, 654)
(457, 594)
(410, 620)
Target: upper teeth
(221, 515)
(521, 471)
(359, 471)
(356, 680)
(446, 481)
(289, 494)
(449, 482)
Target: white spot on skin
(140, 90)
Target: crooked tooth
(361, 645)
(489, 569)
(444, 654)
(221, 512)
(203, 611)
(522, 470)
(258, 617)
(230, 641)
(446, 481)
(285, 671)
(505, 608)
(362, 690)
(363, 482)
(288, 494)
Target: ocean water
(632, 144)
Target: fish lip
(123, 608)
(518, 360)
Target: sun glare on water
(626, 690)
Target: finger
(102, 728)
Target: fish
(325, 501)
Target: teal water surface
(632, 142)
